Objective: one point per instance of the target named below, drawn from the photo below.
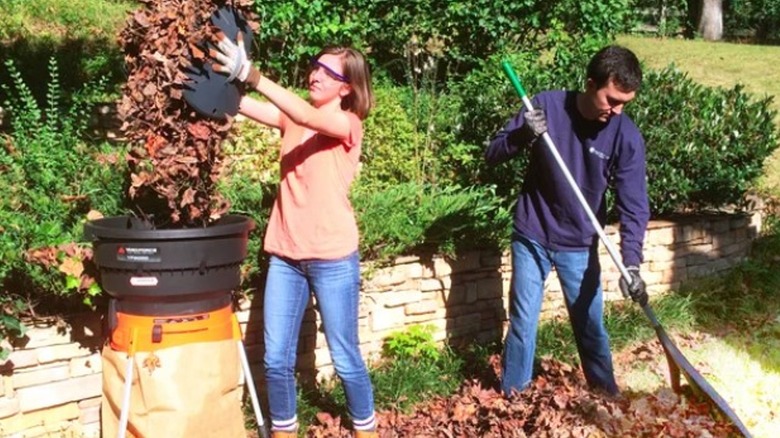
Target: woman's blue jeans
(336, 285)
(580, 276)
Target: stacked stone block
(51, 383)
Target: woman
(312, 234)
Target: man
(598, 143)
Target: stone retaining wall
(51, 382)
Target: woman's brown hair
(361, 99)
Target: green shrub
(705, 146)
(50, 179)
(415, 342)
(390, 154)
(409, 216)
(410, 137)
(759, 19)
(403, 36)
(293, 31)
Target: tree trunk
(711, 20)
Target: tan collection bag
(188, 390)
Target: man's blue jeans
(336, 285)
(580, 276)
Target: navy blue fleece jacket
(547, 208)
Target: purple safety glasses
(316, 64)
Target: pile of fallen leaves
(557, 404)
(176, 158)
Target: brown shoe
(366, 434)
(283, 434)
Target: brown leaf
(151, 363)
(196, 52)
(93, 215)
(44, 256)
(199, 131)
(153, 143)
(560, 400)
(70, 249)
(141, 19)
(463, 412)
(149, 90)
(72, 266)
(188, 198)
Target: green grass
(715, 64)
(80, 34)
(744, 382)
(720, 64)
(625, 322)
(62, 19)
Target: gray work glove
(637, 290)
(535, 125)
(535, 122)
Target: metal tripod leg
(125, 413)
(250, 383)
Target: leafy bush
(705, 146)
(293, 31)
(458, 33)
(389, 153)
(50, 179)
(410, 136)
(409, 216)
(415, 342)
(759, 19)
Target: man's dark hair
(616, 63)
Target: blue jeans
(580, 276)
(336, 285)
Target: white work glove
(232, 58)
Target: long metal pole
(250, 382)
(124, 415)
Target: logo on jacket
(598, 153)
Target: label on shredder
(143, 281)
(138, 254)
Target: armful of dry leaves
(176, 159)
